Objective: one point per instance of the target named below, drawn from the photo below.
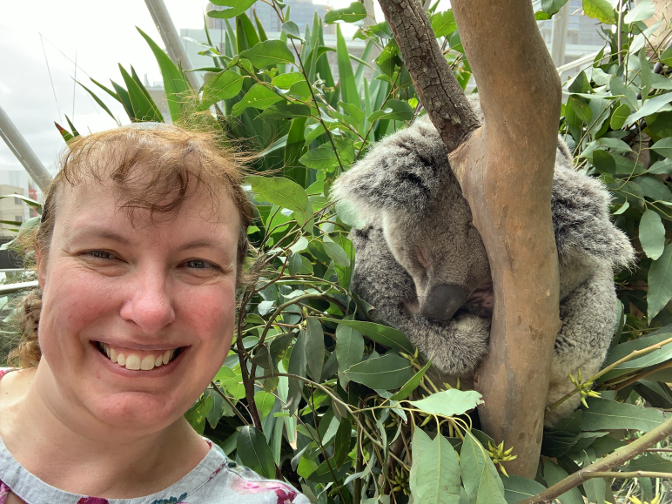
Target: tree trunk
(505, 169)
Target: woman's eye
(100, 254)
(199, 264)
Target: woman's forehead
(91, 196)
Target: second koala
(422, 265)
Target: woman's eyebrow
(200, 243)
(95, 232)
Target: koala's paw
(456, 347)
(555, 392)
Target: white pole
(172, 40)
(18, 145)
(559, 41)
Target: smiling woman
(139, 253)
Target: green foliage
(340, 405)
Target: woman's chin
(136, 413)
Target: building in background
(300, 11)
(571, 35)
(14, 209)
(11, 209)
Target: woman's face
(156, 297)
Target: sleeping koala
(422, 264)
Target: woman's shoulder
(230, 480)
(13, 385)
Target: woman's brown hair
(151, 166)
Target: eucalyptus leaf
(385, 335)
(660, 282)
(354, 12)
(449, 402)
(222, 86)
(663, 147)
(270, 52)
(259, 97)
(394, 109)
(651, 106)
(322, 158)
(254, 452)
(411, 384)
(335, 251)
(443, 23)
(435, 474)
(603, 414)
(642, 11)
(282, 192)
(234, 8)
(314, 348)
(518, 488)
(349, 350)
(652, 234)
(600, 10)
(553, 474)
(387, 372)
(619, 116)
(472, 464)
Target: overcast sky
(40, 40)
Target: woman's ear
(41, 260)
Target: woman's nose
(149, 304)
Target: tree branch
(617, 458)
(437, 87)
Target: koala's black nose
(443, 301)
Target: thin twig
(617, 458)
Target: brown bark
(437, 87)
(505, 169)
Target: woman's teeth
(135, 362)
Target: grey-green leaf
(387, 372)
(603, 414)
(643, 10)
(619, 116)
(449, 402)
(660, 282)
(259, 97)
(652, 234)
(472, 464)
(221, 86)
(282, 192)
(235, 8)
(354, 12)
(254, 452)
(553, 473)
(651, 106)
(600, 10)
(394, 109)
(314, 348)
(349, 350)
(335, 251)
(267, 53)
(379, 333)
(435, 474)
(491, 488)
(321, 158)
(517, 488)
(663, 147)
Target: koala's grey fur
(419, 235)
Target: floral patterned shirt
(215, 480)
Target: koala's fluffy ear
(581, 217)
(401, 172)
